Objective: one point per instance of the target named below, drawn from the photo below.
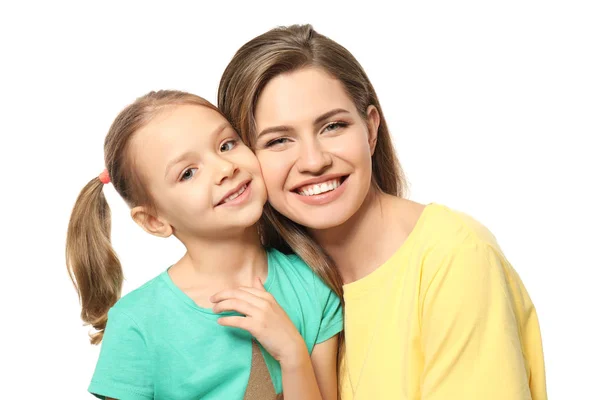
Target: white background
(494, 108)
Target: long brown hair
(92, 263)
(283, 50)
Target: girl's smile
(236, 196)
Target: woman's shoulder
(454, 239)
(448, 227)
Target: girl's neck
(222, 263)
(371, 236)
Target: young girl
(192, 331)
(433, 309)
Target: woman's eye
(334, 126)
(227, 146)
(277, 141)
(188, 174)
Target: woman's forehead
(300, 96)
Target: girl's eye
(334, 126)
(188, 174)
(227, 146)
(277, 141)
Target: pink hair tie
(104, 177)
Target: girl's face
(203, 179)
(314, 148)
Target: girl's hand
(264, 319)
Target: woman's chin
(322, 219)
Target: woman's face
(314, 148)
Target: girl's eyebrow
(318, 121)
(177, 160)
(190, 154)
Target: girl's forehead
(182, 124)
(178, 130)
(182, 119)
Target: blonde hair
(92, 263)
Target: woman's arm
(480, 335)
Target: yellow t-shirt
(446, 317)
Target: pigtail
(91, 261)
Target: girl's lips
(245, 195)
(323, 198)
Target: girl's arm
(324, 363)
(300, 381)
(312, 377)
(271, 326)
(123, 370)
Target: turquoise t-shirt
(159, 344)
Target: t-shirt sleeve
(124, 368)
(332, 320)
(470, 332)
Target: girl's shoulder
(144, 298)
(287, 263)
(310, 304)
(289, 270)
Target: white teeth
(236, 194)
(312, 190)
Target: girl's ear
(151, 223)
(373, 120)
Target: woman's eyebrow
(318, 121)
(280, 128)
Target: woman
(433, 310)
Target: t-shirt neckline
(166, 278)
(373, 280)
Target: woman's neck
(371, 236)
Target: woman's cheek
(274, 169)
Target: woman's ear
(373, 121)
(151, 223)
